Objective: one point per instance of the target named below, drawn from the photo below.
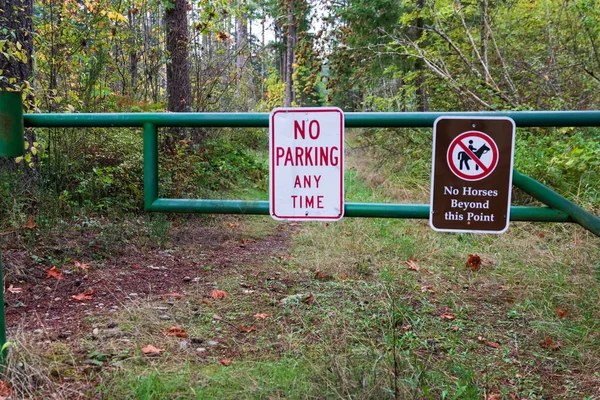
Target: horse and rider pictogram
(472, 156)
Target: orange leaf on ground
(55, 273)
(562, 313)
(79, 265)
(448, 316)
(30, 224)
(175, 331)
(495, 396)
(474, 262)
(347, 233)
(13, 289)
(225, 362)
(150, 350)
(87, 295)
(493, 345)
(412, 265)
(321, 275)
(261, 316)
(207, 302)
(247, 329)
(232, 225)
(218, 294)
(5, 389)
(550, 344)
(309, 299)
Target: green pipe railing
(261, 120)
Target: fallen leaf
(150, 350)
(347, 233)
(232, 225)
(562, 313)
(412, 265)
(13, 289)
(174, 295)
(79, 265)
(294, 224)
(175, 331)
(30, 224)
(308, 299)
(87, 295)
(541, 235)
(454, 328)
(321, 275)
(513, 396)
(261, 316)
(550, 344)
(448, 316)
(495, 396)
(286, 257)
(218, 294)
(474, 262)
(5, 389)
(428, 289)
(225, 362)
(406, 328)
(493, 345)
(481, 339)
(55, 273)
(343, 276)
(247, 329)
(217, 317)
(207, 302)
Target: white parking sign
(306, 161)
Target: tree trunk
(420, 81)
(133, 57)
(290, 54)
(178, 67)
(241, 40)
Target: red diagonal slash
(473, 156)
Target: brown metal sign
(471, 177)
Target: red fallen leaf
(474, 262)
(247, 329)
(13, 289)
(225, 362)
(541, 235)
(150, 350)
(562, 313)
(207, 302)
(343, 276)
(243, 241)
(30, 224)
(550, 344)
(174, 295)
(493, 345)
(412, 265)
(347, 233)
(175, 331)
(448, 316)
(218, 294)
(321, 275)
(495, 396)
(5, 390)
(309, 299)
(87, 295)
(513, 396)
(406, 328)
(232, 225)
(261, 316)
(79, 265)
(55, 273)
(454, 328)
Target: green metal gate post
(12, 133)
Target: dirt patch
(196, 253)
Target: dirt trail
(195, 253)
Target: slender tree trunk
(289, 54)
(133, 56)
(241, 39)
(419, 67)
(178, 67)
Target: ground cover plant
(158, 306)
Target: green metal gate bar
(561, 210)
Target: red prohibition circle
(485, 170)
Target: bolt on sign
(471, 176)
(306, 161)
